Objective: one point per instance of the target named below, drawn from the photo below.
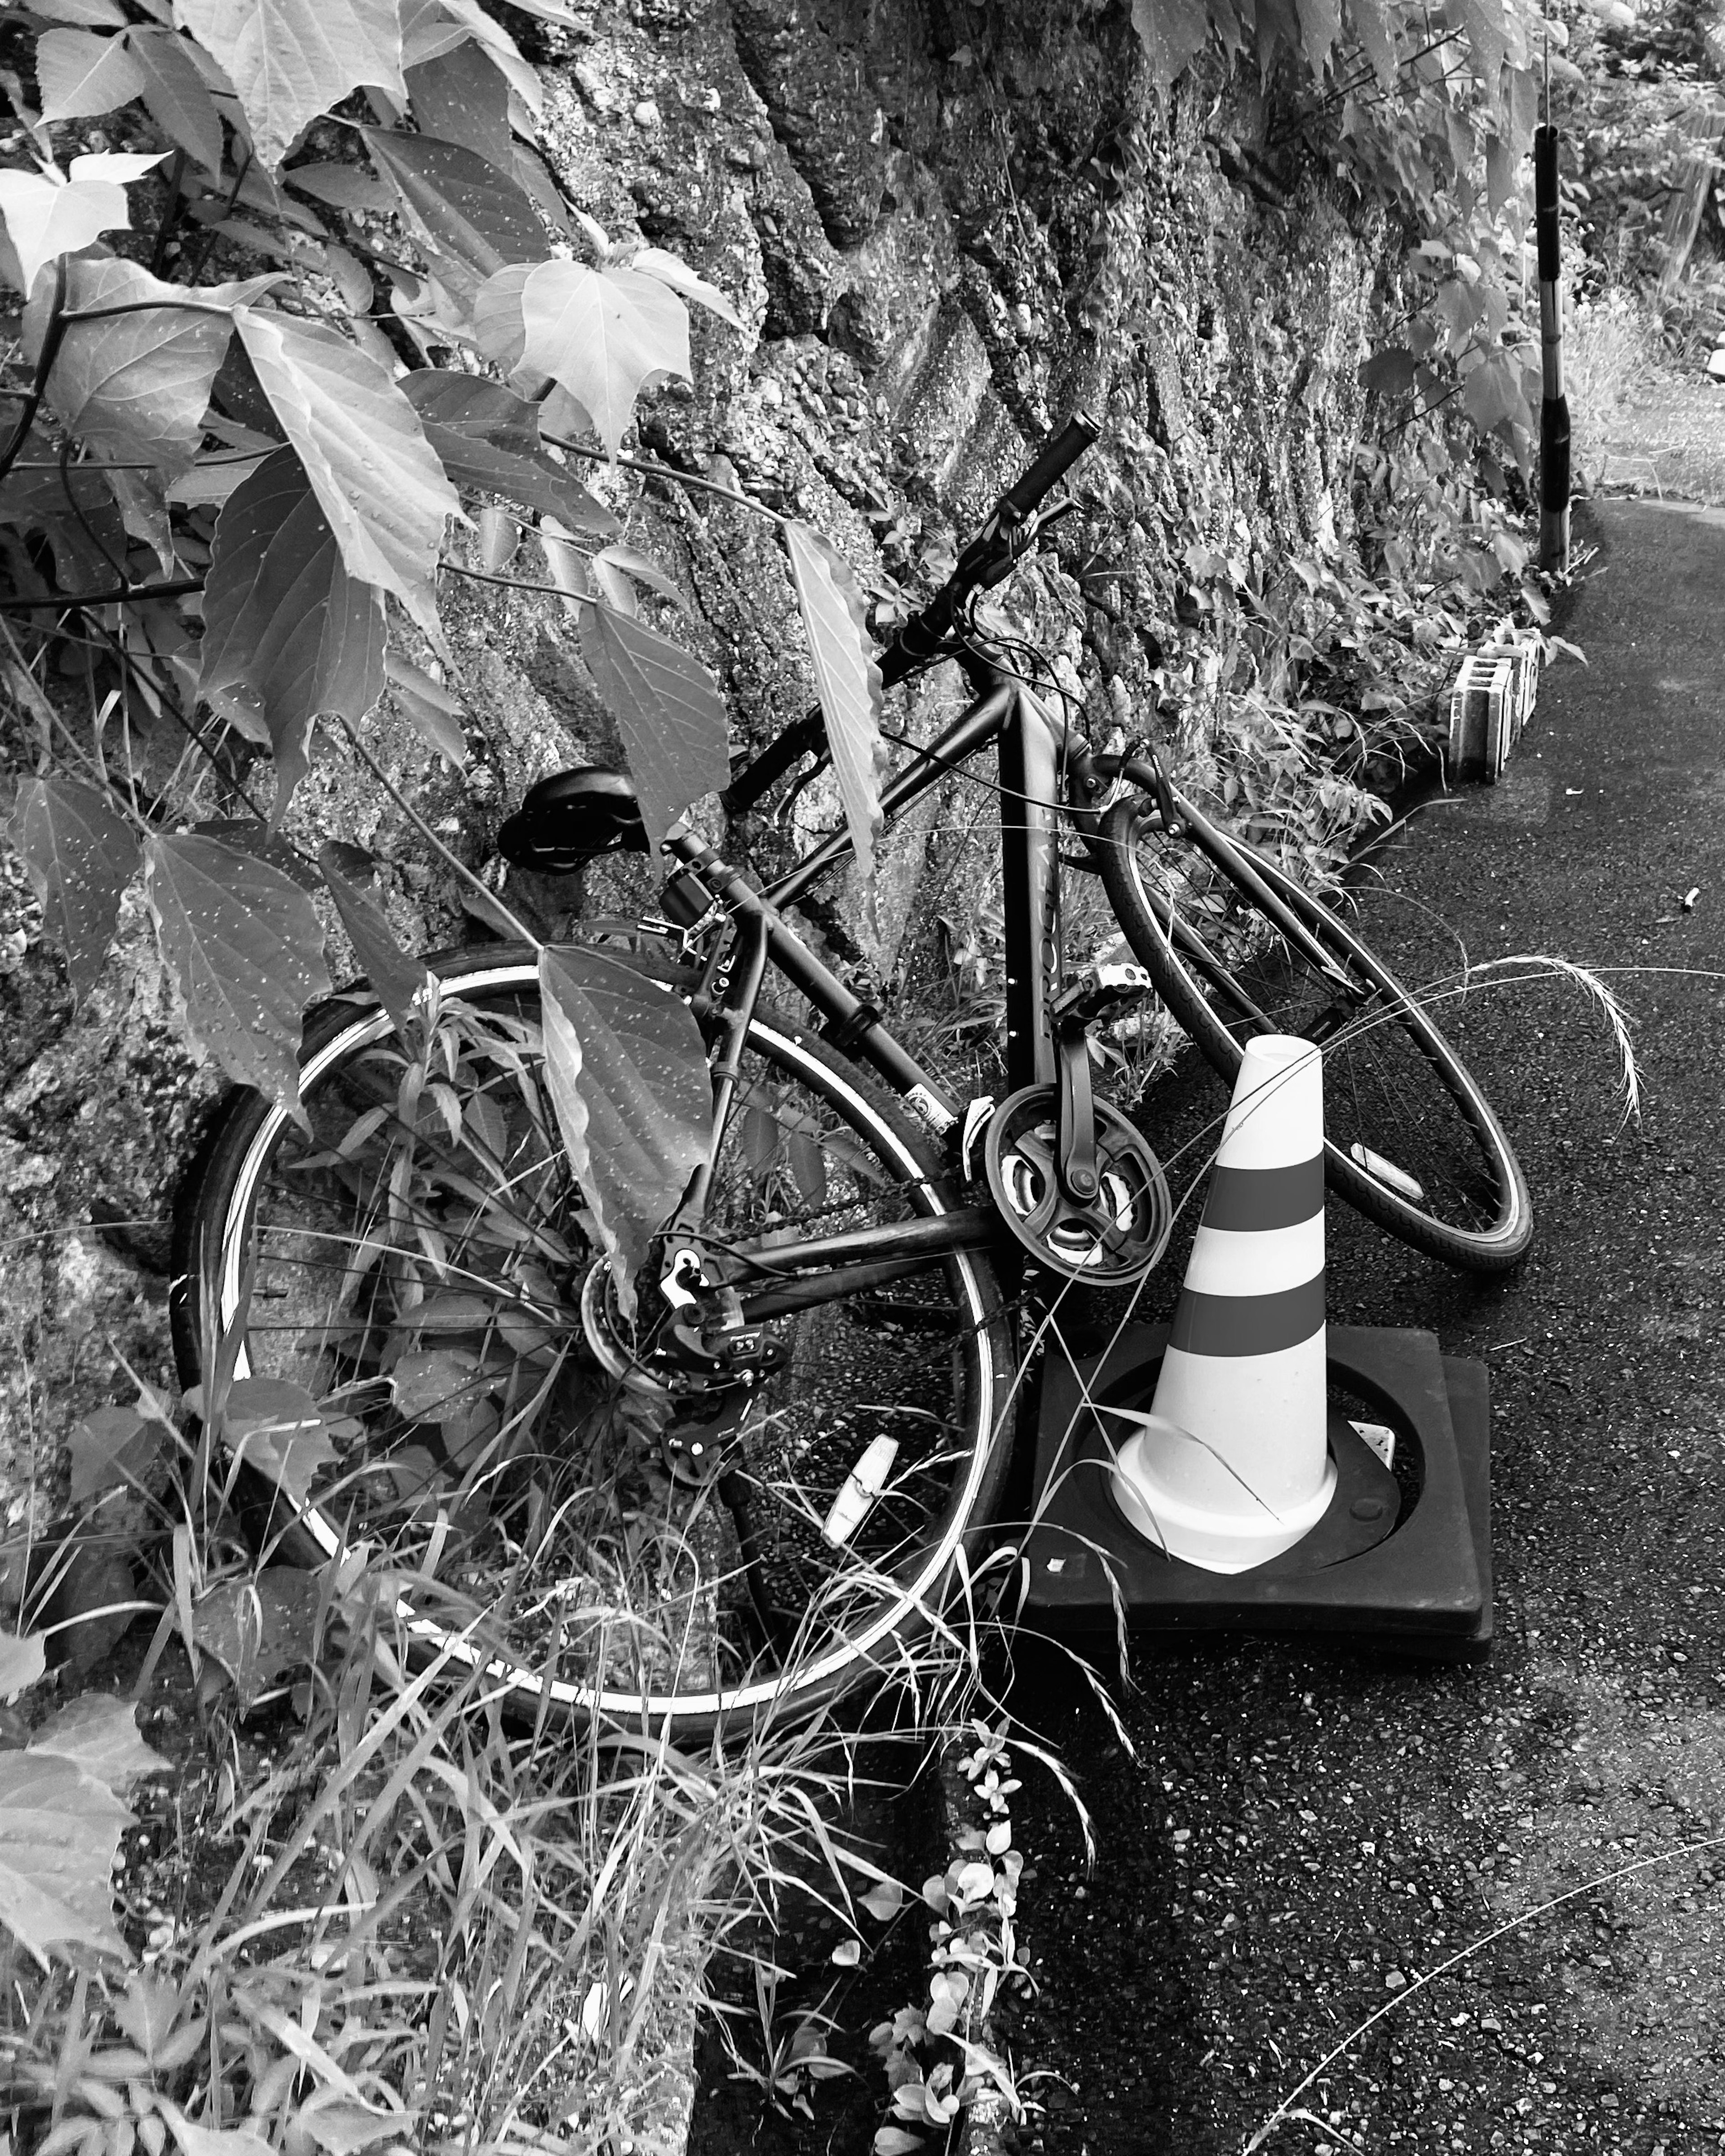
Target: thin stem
(431, 838)
(147, 307)
(89, 531)
(50, 351)
(655, 471)
(512, 583)
(175, 588)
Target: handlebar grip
(1056, 460)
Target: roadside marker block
(1490, 699)
(1399, 1561)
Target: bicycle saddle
(569, 817)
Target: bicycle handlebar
(985, 559)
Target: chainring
(1116, 1238)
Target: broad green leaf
(149, 2011)
(1171, 32)
(373, 472)
(458, 96)
(243, 942)
(430, 707)
(1491, 394)
(196, 2140)
(432, 29)
(627, 561)
(343, 186)
(287, 630)
(499, 327)
(1320, 26)
(22, 1662)
(668, 710)
(628, 1077)
(37, 501)
(894, 2141)
(604, 334)
(1389, 373)
(135, 386)
(487, 437)
(471, 220)
(108, 1450)
(80, 855)
(59, 1832)
(670, 269)
(92, 14)
(46, 215)
(247, 834)
(278, 1428)
(846, 676)
(342, 2128)
(397, 980)
(176, 95)
(258, 1629)
(1374, 26)
(289, 60)
(81, 75)
(99, 1733)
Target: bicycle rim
(418, 1266)
(1410, 1139)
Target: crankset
(1108, 1225)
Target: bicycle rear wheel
(420, 1265)
(1410, 1140)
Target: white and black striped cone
(1231, 1466)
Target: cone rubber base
(1397, 1563)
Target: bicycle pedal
(1102, 990)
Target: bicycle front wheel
(1410, 1140)
(421, 1267)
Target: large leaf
(433, 30)
(258, 1629)
(487, 438)
(289, 60)
(285, 627)
(79, 856)
(1390, 372)
(278, 1428)
(397, 980)
(365, 453)
(1320, 26)
(668, 710)
(22, 1661)
(176, 95)
(59, 1832)
(1491, 395)
(99, 1733)
(1374, 25)
(46, 215)
(109, 1450)
(835, 617)
(81, 75)
(458, 96)
(135, 386)
(243, 942)
(604, 334)
(472, 220)
(628, 1082)
(1171, 32)
(670, 270)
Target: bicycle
(759, 1486)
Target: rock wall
(946, 226)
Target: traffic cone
(1231, 1465)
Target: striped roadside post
(1554, 405)
(1231, 1466)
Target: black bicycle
(759, 1484)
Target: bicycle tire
(688, 1642)
(1394, 1086)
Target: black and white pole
(1554, 406)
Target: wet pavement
(1305, 1833)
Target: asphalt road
(1306, 1833)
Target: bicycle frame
(1037, 751)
